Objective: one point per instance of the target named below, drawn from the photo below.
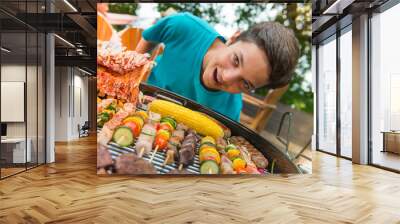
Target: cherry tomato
(166, 126)
(160, 142)
(134, 127)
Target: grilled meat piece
(258, 158)
(181, 126)
(221, 144)
(121, 62)
(170, 158)
(251, 167)
(145, 141)
(154, 117)
(103, 157)
(131, 164)
(187, 151)
(179, 134)
(120, 72)
(174, 142)
(226, 165)
(186, 156)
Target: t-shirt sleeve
(238, 107)
(164, 30)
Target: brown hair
(280, 45)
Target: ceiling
(328, 16)
(72, 20)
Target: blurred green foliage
(122, 8)
(207, 11)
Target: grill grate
(116, 150)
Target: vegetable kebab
(209, 156)
(238, 163)
(166, 127)
(125, 134)
(145, 141)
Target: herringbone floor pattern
(70, 192)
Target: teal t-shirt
(187, 39)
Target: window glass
(327, 96)
(345, 94)
(385, 88)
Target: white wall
(34, 125)
(13, 73)
(71, 94)
(61, 103)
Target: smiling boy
(199, 64)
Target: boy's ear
(233, 38)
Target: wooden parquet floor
(70, 192)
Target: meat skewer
(187, 151)
(145, 141)
(256, 156)
(251, 168)
(129, 163)
(226, 165)
(221, 144)
(173, 145)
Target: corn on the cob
(195, 120)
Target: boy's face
(237, 68)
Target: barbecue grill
(282, 163)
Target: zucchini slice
(169, 120)
(123, 136)
(209, 167)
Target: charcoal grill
(282, 162)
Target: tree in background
(123, 8)
(298, 18)
(207, 11)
